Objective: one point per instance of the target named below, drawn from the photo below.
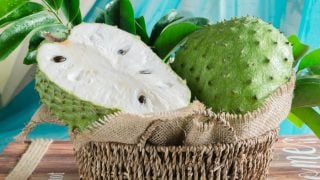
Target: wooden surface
(295, 157)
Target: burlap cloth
(193, 125)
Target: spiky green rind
(235, 65)
(76, 113)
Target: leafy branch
(41, 20)
(307, 91)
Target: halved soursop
(233, 66)
(100, 70)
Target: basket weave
(246, 159)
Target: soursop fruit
(233, 66)
(100, 70)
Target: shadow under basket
(244, 159)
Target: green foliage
(310, 117)
(307, 91)
(23, 17)
(299, 49)
(314, 69)
(166, 34)
(21, 11)
(12, 36)
(7, 6)
(295, 120)
(311, 59)
(120, 13)
(142, 29)
(54, 4)
(71, 10)
(171, 36)
(162, 23)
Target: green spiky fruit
(235, 65)
(100, 70)
(73, 111)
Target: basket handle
(42, 115)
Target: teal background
(299, 17)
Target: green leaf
(307, 91)
(31, 57)
(295, 120)
(199, 21)
(21, 11)
(314, 70)
(56, 32)
(54, 4)
(311, 59)
(7, 6)
(310, 117)
(142, 29)
(12, 36)
(127, 21)
(298, 48)
(171, 36)
(100, 16)
(120, 13)
(71, 10)
(162, 23)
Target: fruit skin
(73, 111)
(233, 66)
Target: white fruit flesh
(112, 68)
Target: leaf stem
(55, 13)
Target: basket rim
(269, 135)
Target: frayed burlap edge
(193, 125)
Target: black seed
(285, 59)
(275, 42)
(287, 42)
(59, 59)
(271, 78)
(255, 97)
(122, 51)
(209, 83)
(142, 99)
(208, 67)
(249, 81)
(182, 65)
(145, 72)
(197, 78)
(191, 69)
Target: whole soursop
(235, 65)
(100, 70)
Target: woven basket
(247, 159)
(189, 143)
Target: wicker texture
(248, 159)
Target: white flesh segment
(110, 67)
